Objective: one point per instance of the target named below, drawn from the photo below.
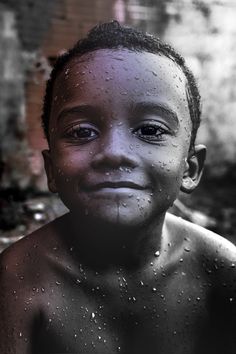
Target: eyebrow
(82, 109)
(156, 108)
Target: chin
(128, 214)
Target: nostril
(108, 159)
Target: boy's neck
(106, 246)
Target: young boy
(118, 273)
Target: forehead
(128, 63)
(121, 77)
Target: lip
(115, 185)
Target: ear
(194, 169)
(49, 171)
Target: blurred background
(33, 33)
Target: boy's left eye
(151, 132)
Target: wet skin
(118, 274)
(119, 118)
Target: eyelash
(162, 130)
(72, 134)
(159, 130)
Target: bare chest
(162, 316)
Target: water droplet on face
(92, 315)
(187, 249)
(132, 298)
(157, 253)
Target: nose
(115, 150)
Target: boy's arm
(17, 309)
(222, 277)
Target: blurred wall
(33, 33)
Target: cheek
(167, 172)
(71, 165)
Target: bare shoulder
(214, 254)
(24, 250)
(201, 238)
(25, 262)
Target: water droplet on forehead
(187, 249)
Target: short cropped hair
(112, 35)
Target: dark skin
(118, 273)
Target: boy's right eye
(82, 133)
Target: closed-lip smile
(115, 185)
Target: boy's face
(119, 136)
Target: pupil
(148, 131)
(83, 133)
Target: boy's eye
(81, 133)
(151, 132)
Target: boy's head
(114, 36)
(121, 114)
